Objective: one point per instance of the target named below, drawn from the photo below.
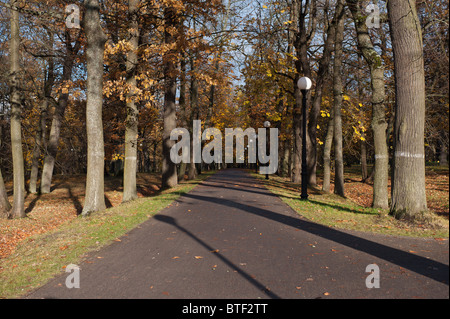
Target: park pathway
(232, 238)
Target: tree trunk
(58, 115)
(5, 206)
(96, 39)
(193, 172)
(318, 92)
(169, 169)
(364, 172)
(408, 175)
(131, 125)
(297, 140)
(337, 105)
(183, 115)
(443, 151)
(41, 135)
(379, 125)
(18, 209)
(327, 155)
(39, 140)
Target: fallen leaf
(215, 251)
(326, 293)
(176, 257)
(198, 257)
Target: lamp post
(304, 84)
(267, 126)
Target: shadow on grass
(342, 208)
(148, 187)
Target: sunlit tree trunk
(18, 209)
(337, 105)
(408, 174)
(327, 155)
(379, 125)
(169, 169)
(96, 39)
(131, 125)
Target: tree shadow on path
(421, 265)
(171, 221)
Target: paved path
(231, 238)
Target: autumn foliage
(229, 64)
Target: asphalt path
(231, 238)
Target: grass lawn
(355, 213)
(42, 245)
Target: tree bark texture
(169, 169)
(337, 105)
(96, 39)
(327, 155)
(297, 141)
(18, 210)
(131, 125)
(408, 174)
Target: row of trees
(110, 83)
(78, 99)
(369, 102)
